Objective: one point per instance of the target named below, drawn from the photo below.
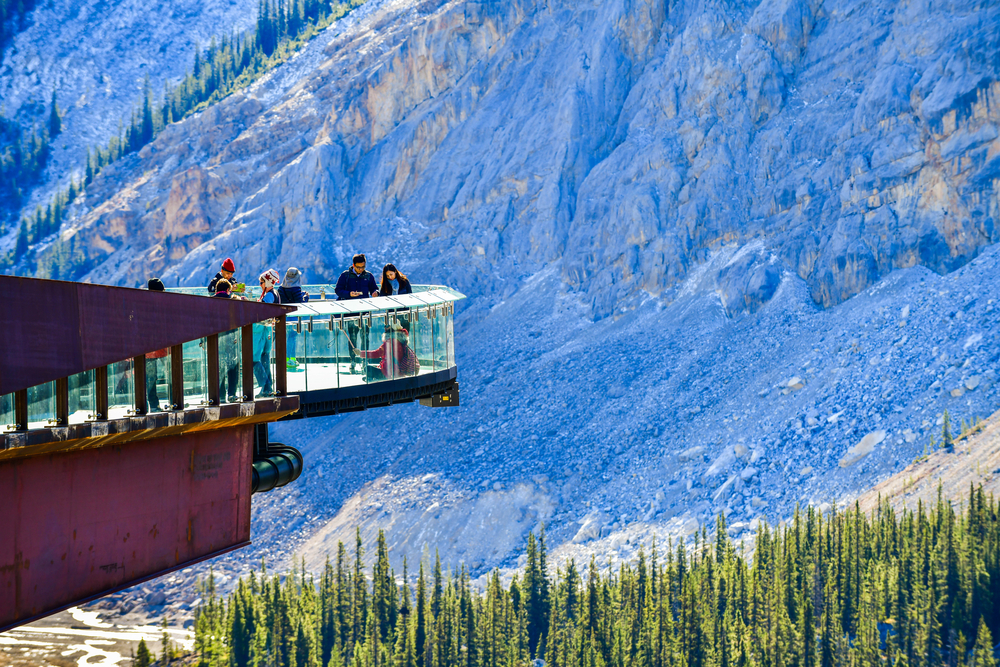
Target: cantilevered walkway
(103, 489)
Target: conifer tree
(143, 658)
(55, 118)
(983, 652)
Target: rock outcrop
(621, 141)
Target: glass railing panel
(230, 390)
(422, 338)
(82, 397)
(158, 381)
(440, 338)
(356, 338)
(6, 412)
(121, 388)
(195, 356)
(263, 358)
(41, 405)
(372, 354)
(295, 354)
(327, 355)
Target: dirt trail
(976, 460)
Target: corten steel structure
(104, 498)
(102, 489)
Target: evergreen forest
(910, 589)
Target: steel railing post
(101, 392)
(246, 349)
(62, 401)
(21, 410)
(139, 390)
(177, 377)
(212, 348)
(280, 361)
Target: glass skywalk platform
(312, 352)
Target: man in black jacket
(356, 283)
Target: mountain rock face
(661, 213)
(96, 56)
(622, 140)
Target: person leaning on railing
(355, 283)
(393, 282)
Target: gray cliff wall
(96, 55)
(623, 140)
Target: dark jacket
(349, 282)
(216, 279)
(404, 288)
(292, 295)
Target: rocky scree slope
(616, 432)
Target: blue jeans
(262, 362)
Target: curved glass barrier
(337, 344)
(329, 345)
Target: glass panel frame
(195, 366)
(121, 390)
(230, 386)
(6, 412)
(41, 405)
(82, 397)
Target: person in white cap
(268, 282)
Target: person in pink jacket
(396, 359)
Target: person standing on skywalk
(290, 292)
(356, 283)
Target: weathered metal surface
(82, 523)
(53, 329)
(90, 435)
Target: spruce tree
(143, 658)
(55, 118)
(949, 443)
(983, 652)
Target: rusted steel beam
(280, 352)
(246, 354)
(139, 390)
(101, 392)
(135, 428)
(212, 346)
(62, 401)
(177, 377)
(83, 326)
(84, 523)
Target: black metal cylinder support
(274, 464)
(282, 466)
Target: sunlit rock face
(622, 141)
(96, 56)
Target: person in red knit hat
(228, 272)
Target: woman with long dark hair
(393, 282)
